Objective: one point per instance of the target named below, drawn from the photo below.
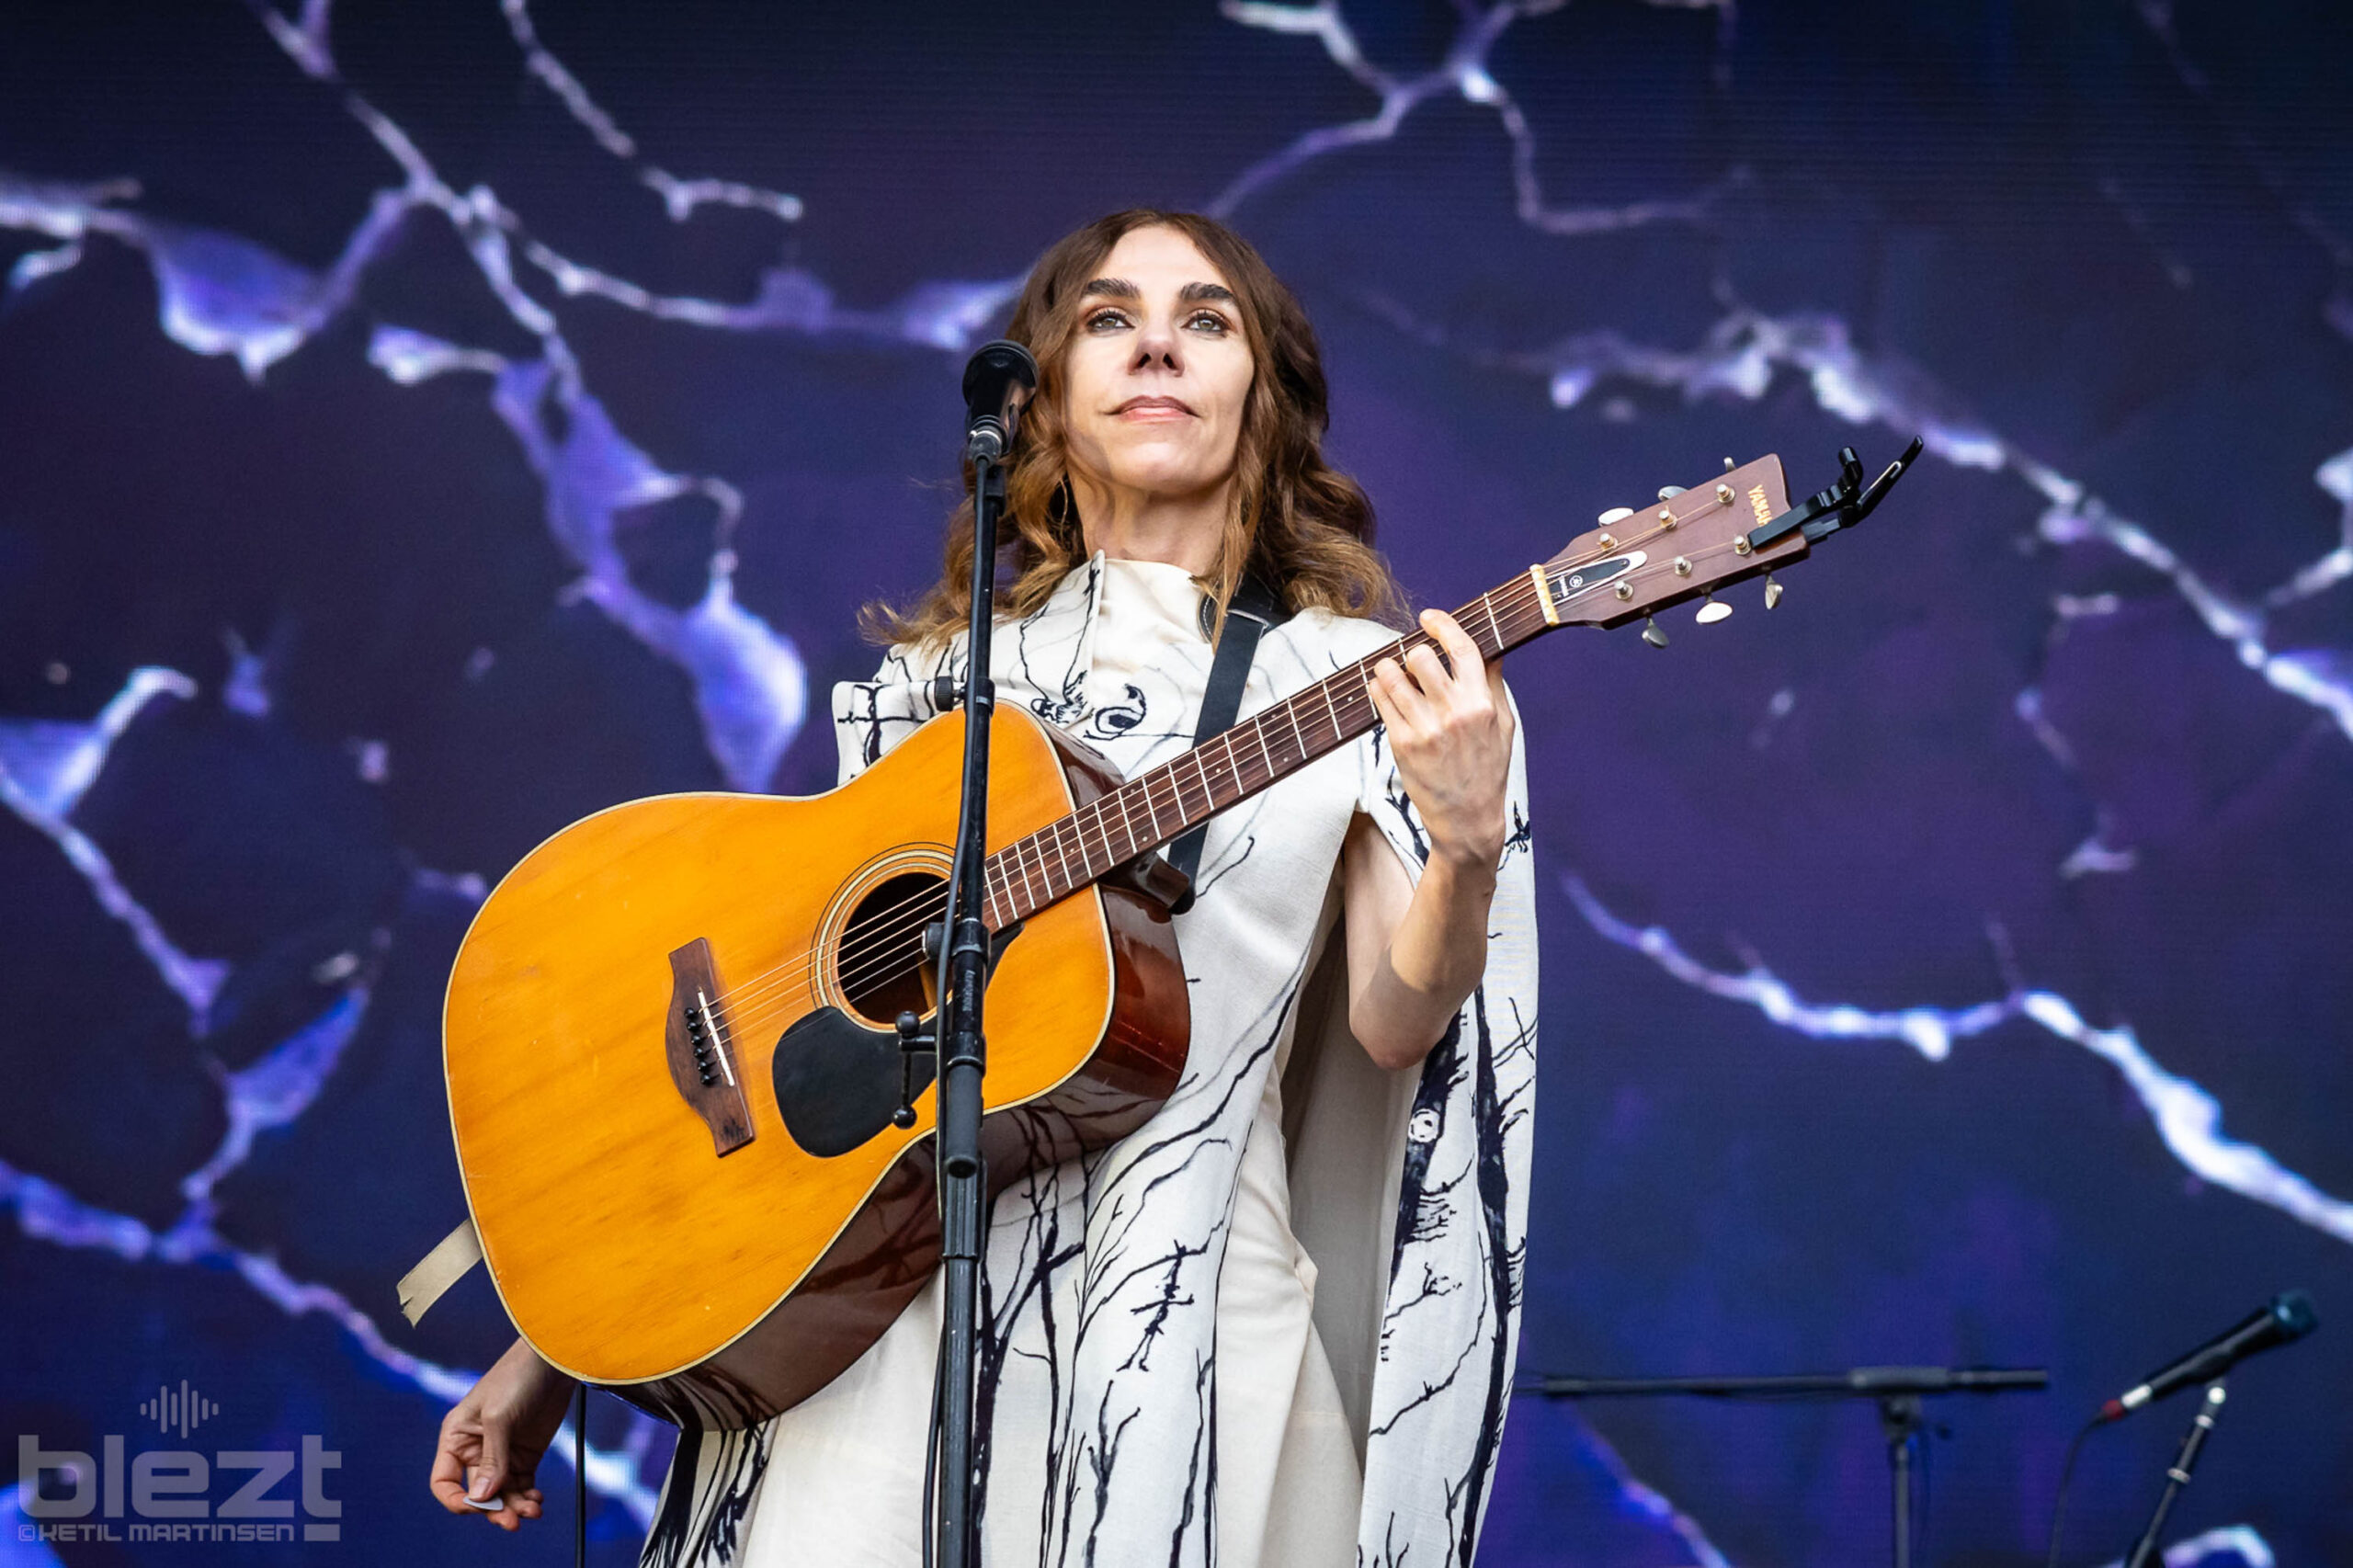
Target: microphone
(998, 379)
(2289, 1318)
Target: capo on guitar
(1840, 505)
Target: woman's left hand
(1452, 732)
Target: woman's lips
(1151, 408)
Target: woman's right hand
(491, 1442)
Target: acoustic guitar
(670, 1034)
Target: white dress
(1165, 1374)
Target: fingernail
(481, 1487)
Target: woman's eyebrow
(1121, 289)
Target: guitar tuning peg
(1652, 634)
(1616, 515)
(1669, 492)
(1772, 591)
(1712, 611)
(1729, 465)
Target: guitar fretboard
(1159, 805)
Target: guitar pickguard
(838, 1078)
(837, 1081)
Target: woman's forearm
(1449, 727)
(1434, 958)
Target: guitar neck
(1156, 807)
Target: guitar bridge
(702, 1049)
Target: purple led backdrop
(423, 424)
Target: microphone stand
(958, 1037)
(1897, 1389)
(998, 381)
(2193, 1442)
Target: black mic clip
(998, 379)
(914, 1040)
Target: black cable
(940, 1020)
(2066, 1473)
(580, 1481)
(931, 1447)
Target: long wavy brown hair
(1304, 528)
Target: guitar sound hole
(879, 959)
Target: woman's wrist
(1471, 865)
(1456, 892)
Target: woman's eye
(1209, 319)
(1103, 320)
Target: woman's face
(1156, 378)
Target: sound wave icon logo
(182, 1407)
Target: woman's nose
(1156, 346)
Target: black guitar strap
(1254, 609)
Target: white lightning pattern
(2241, 1541)
(46, 767)
(1463, 73)
(2187, 1119)
(679, 197)
(1739, 355)
(1646, 1500)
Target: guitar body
(669, 1048)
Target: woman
(1274, 1325)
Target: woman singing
(1275, 1326)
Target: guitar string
(876, 954)
(1147, 787)
(872, 954)
(1518, 594)
(896, 953)
(889, 946)
(864, 954)
(872, 959)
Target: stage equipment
(1897, 1389)
(2286, 1319)
(2193, 1443)
(689, 1040)
(580, 1479)
(998, 383)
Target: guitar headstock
(1684, 546)
(1692, 541)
